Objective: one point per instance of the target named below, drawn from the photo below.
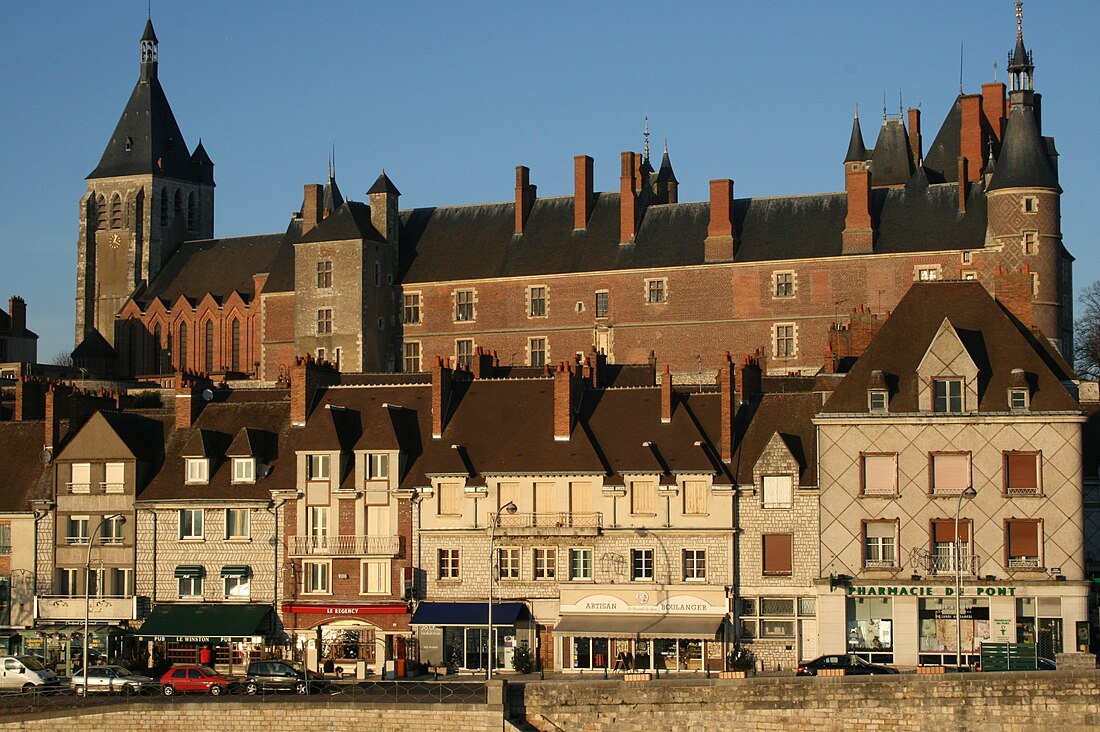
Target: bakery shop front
(654, 629)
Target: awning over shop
(189, 570)
(469, 614)
(235, 570)
(206, 623)
(641, 626)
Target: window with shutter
(1022, 544)
(880, 475)
(1021, 473)
(879, 541)
(642, 497)
(777, 491)
(950, 473)
(695, 497)
(509, 493)
(450, 497)
(944, 547)
(777, 553)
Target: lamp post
(968, 493)
(87, 588)
(508, 508)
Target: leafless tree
(62, 358)
(1086, 336)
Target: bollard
(605, 672)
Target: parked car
(277, 675)
(111, 678)
(25, 672)
(189, 677)
(852, 665)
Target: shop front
(661, 629)
(61, 645)
(228, 636)
(927, 624)
(350, 640)
(455, 635)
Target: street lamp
(508, 508)
(968, 493)
(87, 587)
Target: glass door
(477, 648)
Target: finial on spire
(331, 159)
(857, 110)
(666, 146)
(994, 71)
(883, 105)
(1019, 19)
(646, 135)
(901, 105)
(962, 45)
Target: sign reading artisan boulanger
(644, 602)
(928, 591)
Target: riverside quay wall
(979, 701)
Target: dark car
(276, 675)
(852, 665)
(191, 677)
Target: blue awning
(469, 614)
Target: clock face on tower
(113, 238)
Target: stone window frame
(1029, 204)
(793, 338)
(544, 568)
(324, 274)
(934, 272)
(412, 302)
(1024, 399)
(324, 321)
(308, 584)
(531, 351)
(464, 359)
(647, 558)
(448, 564)
(469, 297)
(606, 304)
(694, 569)
(512, 557)
(876, 394)
(895, 562)
(969, 275)
(966, 257)
(591, 564)
(406, 356)
(1030, 242)
(543, 302)
(791, 285)
(364, 577)
(655, 291)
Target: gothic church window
(183, 346)
(210, 346)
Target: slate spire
(856, 149)
(149, 51)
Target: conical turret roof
(856, 149)
(1023, 162)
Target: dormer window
(947, 396)
(378, 466)
(244, 470)
(877, 399)
(1017, 399)
(317, 467)
(878, 395)
(198, 470)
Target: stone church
(628, 275)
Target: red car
(192, 677)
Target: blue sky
(449, 97)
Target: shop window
(508, 563)
(317, 467)
(237, 524)
(695, 565)
(198, 470)
(776, 554)
(870, 624)
(880, 474)
(580, 564)
(947, 396)
(244, 470)
(642, 496)
(695, 497)
(546, 563)
(944, 555)
(1022, 473)
(1022, 544)
(191, 520)
(641, 565)
(449, 564)
(777, 491)
(316, 577)
(879, 544)
(938, 628)
(80, 478)
(950, 473)
(450, 499)
(114, 478)
(536, 302)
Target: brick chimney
(481, 365)
(307, 377)
(563, 402)
(729, 403)
(441, 396)
(525, 197)
(189, 404)
(970, 134)
(859, 235)
(749, 379)
(30, 398)
(55, 408)
(720, 245)
(583, 197)
(17, 309)
(311, 206)
(915, 144)
(666, 396)
(1014, 291)
(628, 200)
(993, 107)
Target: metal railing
(1023, 562)
(565, 520)
(944, 563)
(344, 546)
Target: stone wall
(1030, 700)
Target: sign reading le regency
(926, 591)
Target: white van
(24, 672)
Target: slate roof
(216, 266)
(791, 416)
(856, 149)
(222, 421)
(349, 221)
(5, 326)
(1024, 162)
(476, 242)
(891, 160)
(19, 464)
(996, 342)
(941, 161)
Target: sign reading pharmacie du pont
(927, 591)
(645, 602)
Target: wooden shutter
(695, 497)
(950, 472)
(777, 490)
(449, 494)
(1023, 538)
(378, 521)
(509, 493)
(880, 474)
(777, 553)
(641, 497)
(580, 497)
(1022, 472)
(944, 531)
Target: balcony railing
(1023, 562)
(880, 564)
(344, 546)
(944, 563)
(551, 520)
(99, 608)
